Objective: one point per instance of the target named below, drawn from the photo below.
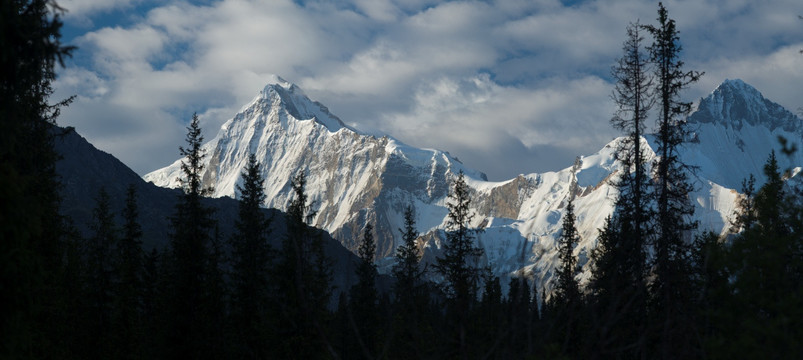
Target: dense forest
(659, 287)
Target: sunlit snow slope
(354, 177)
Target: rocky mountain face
(355, 178)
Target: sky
(507, 86)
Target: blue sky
(507, 86)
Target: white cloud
(518, 80)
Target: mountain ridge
(356, 178)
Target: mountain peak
(737, 103)
(296, 103)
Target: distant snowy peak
(297, 104)
(736, 103)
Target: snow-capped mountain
(356, 178)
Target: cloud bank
(507, 86)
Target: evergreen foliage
(128, 296)
(567, 300)
(363, 300)
(34, 299)
(100, 277)
(412, 323)
(763, 307)
(408, 273)
(568, 289)
(459, 263)
(191, 319)
(253, 317)
(304, 276)
(671, 295)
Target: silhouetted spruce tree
(304, 276)
(617, 294)
(519, 318)
(745, 214)
(216, 304)
(100, 279)
(253, 301)
(634, 97)
(459, 263)
(764, 265)
(412, 327)
(363, 307)
(567, 290)
(128, 296)
(491, 316)
(190, 244)
(618, 282)
(712, 292)
(568, 301)
(153, 305)
(34, 298)
(670, 303)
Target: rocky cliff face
(356, 178)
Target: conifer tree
(153, 302)
(33, 232)
(251, 266)
(618, 280)
(618, 294)
(100, 276)
(519, 317)
(215, 302)
(304, 280)
(407, 271)
(411, 294)
(191, 236)
(745, 215)
(634, 97)
(492, 319)
(459, 263)
(764, 264)
(567, 290)
(363, 298)
(670, 291)
(568, 300)
(128, 293)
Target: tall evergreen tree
(253, 319)
(459, 264)
(31, 229)
(153, 304)
(567, 290)
(519, 321)
(363, 298)
(215, 302)
(764, 264)
(128, 294)
(634, 97)
(304, 278)
(412, 325)
(100, 276)
(618, 282)
(568, 300)
(745, 215)
(671, 293)
(191, 235)
(618, 294)
(408, 273)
